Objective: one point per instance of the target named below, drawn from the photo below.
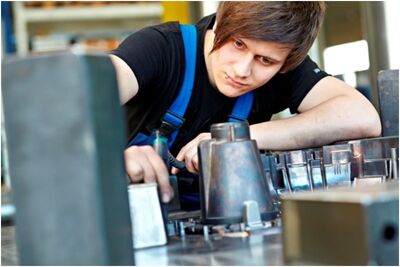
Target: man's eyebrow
(272, 59)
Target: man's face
(242, 65)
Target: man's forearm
(340, 118)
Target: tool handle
(160, 145)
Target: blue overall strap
(173, 118)
(242, 108)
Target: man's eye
(265, 61)
(238, 43)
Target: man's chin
(229, 93)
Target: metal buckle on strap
(236, 118)
(170, 123)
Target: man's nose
(242, 68)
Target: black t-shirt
(156, 56)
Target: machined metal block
(66, 138)
(337, 162)
(373, 157)
(146, 216)
(298, 170)
(342, 226)
(231, 172)
(388, 87)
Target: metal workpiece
(298, 171)
(260, 248)
(66, 137)
(388, 88)
(349, 163)
(251, 216)
(342, 226)
(395, 160)
(230, 131)
(374, 156)
(231, 172)
(316, 171)
(337, 165)
(146, 216)
(174, 203)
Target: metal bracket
(251, 216)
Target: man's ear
(281, 71)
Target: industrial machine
(337, 195)
(75, 207)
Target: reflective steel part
(349, 163)
(388, 87)
(147, 221)
(251, 216)
(231, 172)
(395, 166)
(373, 156)
(298, 172)
(337, 165)
(342, 226)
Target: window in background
(348, 62)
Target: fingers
(143, 163)
(138, 166)
(162, 176)
(191, 159)
(189, 154)
(174, 171)
(186, 154)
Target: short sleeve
(301, 80)
(146, 53)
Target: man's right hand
(143, 163)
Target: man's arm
(142, 163)
(127, 82)
(330, 112)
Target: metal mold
(231, 172)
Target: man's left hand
(189, 154)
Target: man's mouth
(234, 82)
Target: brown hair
(295, 24)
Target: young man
(246, 46)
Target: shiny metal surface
(261, 249)
(147, 221)
(388, 88)
(348, 163)
(298, 172)
(337, 165)
(251, 216)
(394, 154)
(231, 173)
(342, 226)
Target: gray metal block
(146, 216)
(388, 87)
(342, 226)
(66, 139)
